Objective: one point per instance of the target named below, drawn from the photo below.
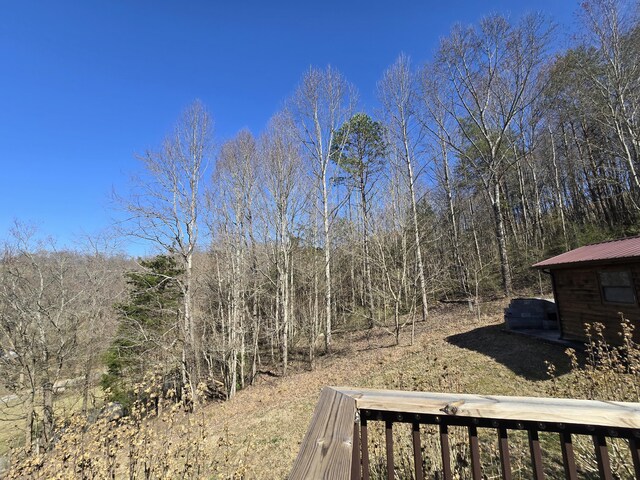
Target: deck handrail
(331, 446)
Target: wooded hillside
(497, 152)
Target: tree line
(499, 151)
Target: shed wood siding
(580, 302)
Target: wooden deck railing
(336, 443)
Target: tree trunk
(47, 413)
(416, 228)
(189, 345)
(367, 257)
(453, 225)
(327, 261)
(502, 242)
(30, 421)
(558, 191)
(283, 286)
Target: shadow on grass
(524, 356)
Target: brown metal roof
(612, 250)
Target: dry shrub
(149, 443)
(608, 373)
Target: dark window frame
(630, 285)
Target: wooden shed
(596, 283)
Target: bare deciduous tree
(612, 71)
(165, 206)
(53, 305)
(495, 75)
(236, 192)
(285, 198)
(323, 101)
(397, 91)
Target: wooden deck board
(545, 410)
(327, 447)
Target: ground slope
(258, 432)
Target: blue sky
(85, 85)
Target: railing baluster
(364, 442)
(568, 458)
(536, 455)
(476, 468)
(355, 450)
(602, 455)
(336, 446)
(389, 438)
(634, 445)
(505, 459)
(417, 451)
(445, 452)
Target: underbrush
(149, 443)
(604, 372)
(609, 373)
(253, 436)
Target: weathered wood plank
(568, 457)
(634, 445)
(474, 448)
(445, 452)
(602, 456)
(505, 458)
(579, 301)
(391, 470)
(355, 452)
(326, 451)
(545, 410)
(536, 455)
(364, 441)
(417, 451)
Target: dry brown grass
(10, 429)
(453, 352)
(257, 434)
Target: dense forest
(499, 151)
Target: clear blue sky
(84, 85)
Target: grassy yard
(453, 352)
(257, 434)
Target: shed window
(617, 287)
